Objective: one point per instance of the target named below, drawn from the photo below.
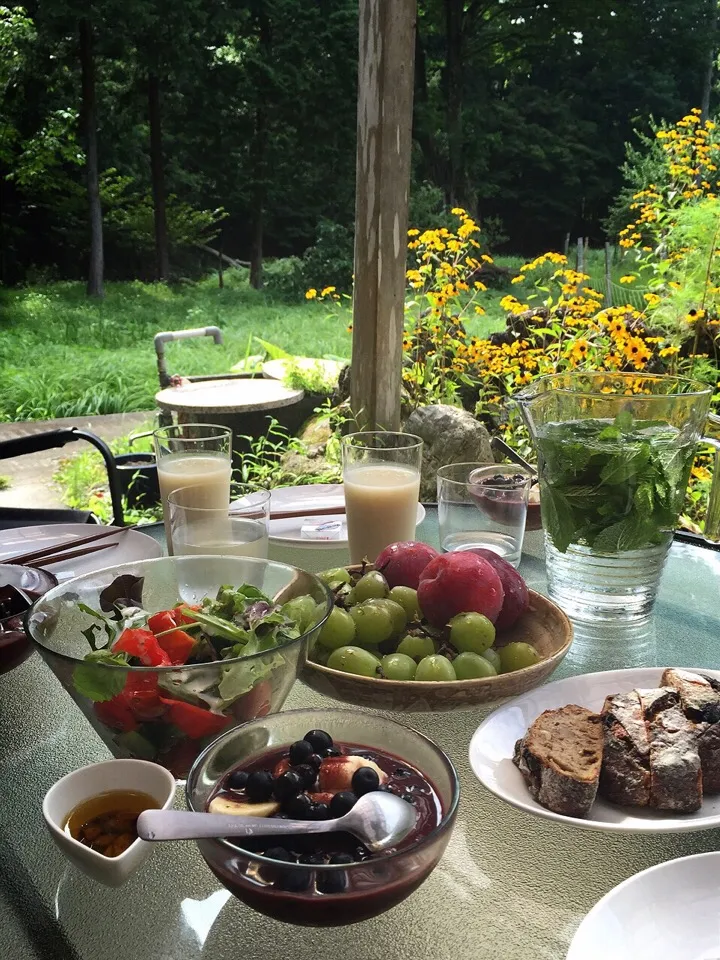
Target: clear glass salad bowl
(365, 889)
(136, 690)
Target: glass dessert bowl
(330, 879)
(20, 587)
(159, 669)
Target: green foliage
(263, 468)
(5, 482)
(329, 262)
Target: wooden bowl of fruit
(419, 631)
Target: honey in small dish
(107, 823)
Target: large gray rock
(450, 435)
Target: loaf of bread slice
(625, 774)
(700, 699)
(675, 774)
(560, 758)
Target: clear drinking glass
(483, 505)
(381, 475)
(614, 457)
(196, 455)
(240, 530)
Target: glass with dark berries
(314, 765)
(483, 505)
(20, 587)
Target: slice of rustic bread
(560, 758)
(675, 774)
(625, 774)
(700, 699)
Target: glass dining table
(509, 887)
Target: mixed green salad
(151, 712)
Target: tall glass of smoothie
(196, 456)
(381, 475)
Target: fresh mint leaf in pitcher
(614, 458)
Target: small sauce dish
(97, 779)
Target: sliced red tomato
(165, 620)
(181, 617)
(143, 645)
(141, 695)
(195, 722)
(177, 645)
(116, 713)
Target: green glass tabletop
(510, 886)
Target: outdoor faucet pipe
(162, 338)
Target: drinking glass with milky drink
(381, 475)
(240, 530)
(196, 456)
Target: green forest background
(232, 125)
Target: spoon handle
(181, 825)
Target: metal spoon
(379, 820)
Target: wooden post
(567, 243)
(608, 275)
(579, 263)
(384, 125)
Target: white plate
(492, 745)
(669, 912)
(311, 497)
(132, 545)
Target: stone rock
(450, 435)
(311, 462)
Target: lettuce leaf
(92, 681)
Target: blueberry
(307, 774)
(298, 808)
(315, 760)
(364, 781)
(294, 881)
(341, 858)
(331, 752)
(312, 859)
(319, 740)
(287, 785)
(279, 853)
(319, 811)
(300, 752)
(237, 780)
(342, 803)
(402, 772)
(259, 786)
(332, 881)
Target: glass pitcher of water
(614, 454)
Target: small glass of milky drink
(240, 530)
(196, 455)
(381, 475)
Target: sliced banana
(238, 809)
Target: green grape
(407, 598)
(338, 630)
(397, 614)
(301, 610)
(320, 654)
(471, 632)
(416, 647)
(398, 666)
(516, 656)
(336, 576)
(354, 660)
(373, 624)
(351, 598)
(372, 586)
(469, 666)
(493, 657)
(435, 667)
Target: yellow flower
(479, 310)
(349, 328)
(628, 279)
(669, 351)
(413, 233)
(701, 473)
(458, 211)
(652, 299)
(326, 291)
(311, 293)
(635, 348)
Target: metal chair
(11, 517)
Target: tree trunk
(712, 54)
(89, 130)
(157, 173)
(259, 150)
(423, 130)
(454, 86)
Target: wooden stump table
(244, 405)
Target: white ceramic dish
(80, 785)
(669, 912)
(132, 545)
(311, 497)
(492, 745)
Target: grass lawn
(63, 355)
